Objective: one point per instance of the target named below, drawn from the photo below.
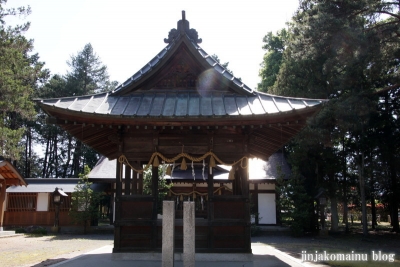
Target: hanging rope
(155, 161)
(218, 190)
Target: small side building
(33, 205)
(9, 176)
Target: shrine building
(182, 109)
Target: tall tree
(65, 156)
(20, 70)
(344, 51)
(87, 73)
(275, 46)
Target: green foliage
(20, 231)
(85, 201)
(348, 52)
(20, 71)
(40, 231)
(275, 46)
(66, 156)
(295, 204)
(88, 74)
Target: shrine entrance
(182, 107)
(223, 226)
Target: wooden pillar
(118, 193)
(140, 184)
(210, 208)
(255, 199)
(235, 183)
(127, 180)
(2, 199)
(135, 176)
(154, 192)
(118, 175)
(244, 178)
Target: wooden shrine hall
(181, 107)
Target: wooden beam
(2, 198)
(128, 172)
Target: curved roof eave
(177, 106)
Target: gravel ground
(384, 241)
(25, 250)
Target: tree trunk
(392, 168)
(46, 154)
(333, 199)
(334, 214)
(345, 202)
(68, 156)
(362, 192)
(76, 159)
(373, 212)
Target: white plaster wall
(267, 208)
(42, 202)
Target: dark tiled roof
(181, 104)
(127, 100)
(48, 185)
(209, 59)
(45, 185)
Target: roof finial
(182, 29)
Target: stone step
(7, 233)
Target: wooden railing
(21, 202)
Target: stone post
(188, 234)
(168, 229)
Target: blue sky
(127, 34)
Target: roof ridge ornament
(182, 28)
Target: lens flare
(206, 81)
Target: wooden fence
(37, 218)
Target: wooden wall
(37, 218)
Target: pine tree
(19, 72)
(88, 74)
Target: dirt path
(24, 250)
